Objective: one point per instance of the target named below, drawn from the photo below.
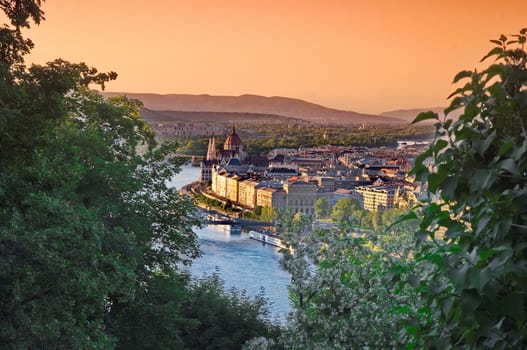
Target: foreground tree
(472, 251)
(91, 238)
(224, 319)
(341, 297)
(85, 216)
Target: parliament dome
(233, 141)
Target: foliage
(86, 219)
(472, 252)
(268, 214)
(225, 320)
(261, 138)
(321, 208)
(342, 300)
(293, 222)
(344, 210)
(195, 147)
(153, 319)
(91, 238)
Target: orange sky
(364, 55)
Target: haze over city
(366, 56)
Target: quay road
(214, 217)
(218, 217)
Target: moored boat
(270, 239)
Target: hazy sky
(364, 55)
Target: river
(241, 263)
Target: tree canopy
(472, 275)
(92, 240)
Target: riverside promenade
(215, 215)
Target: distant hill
(204, 117)
(279, 106)
(410, 114)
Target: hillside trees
(345, 210)
(91, 238)
(472, 251)
(86, 216)
(321, 208)
(339, 290)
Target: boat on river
(270, 239)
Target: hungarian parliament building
(292, 180)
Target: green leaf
(509, 165)
(459, 276)
(497, 51)
(469, 303)
(421, 235)
(446, 305)
(449, 187)
(478, 278)
(436, 179)
(439, 145)
(425, 116)
(414, 280)
(505, 147)
(493, 70)
(456, 103)
(513, 306)
(482, 179)
(485, 254)
(461, 75)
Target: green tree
(86, 219)
(343, 210)
(197, 147)
(391, 219)
(321, 208)
(472, 248)
(224, 320)
(288, 221)
(268, 214)
(300, 222)
(341, 298)
(372, 219)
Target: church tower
(211, 151)
(209, 161)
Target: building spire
(211, 150)
(233, 129)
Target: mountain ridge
(410, 113)
(256, 104)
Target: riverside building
(298, 180)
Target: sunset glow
(367, 56)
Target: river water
(240, 262)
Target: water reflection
(240, 262)
(244, 264)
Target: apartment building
(376, 198)
(301, 196)
(271, 197)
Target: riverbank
(240, 262)
(209, 202)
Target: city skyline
(367, 57)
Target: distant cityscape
(294, 179)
